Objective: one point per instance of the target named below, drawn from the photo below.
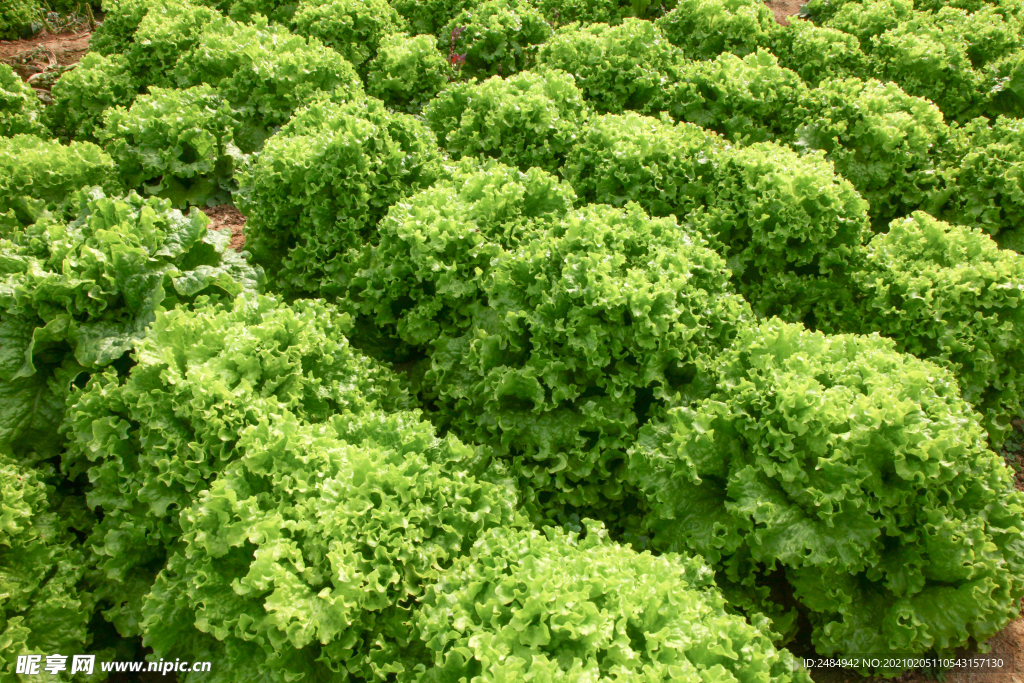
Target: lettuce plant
(665, 167)
(704, 29)
(526, 606)
(265, 73)
(80, 97)
(354, 28)
(20, 113)
(407, 72)
(277, 11)
(817, 53)
(870, 18)
(169, 30)
(77, 297)
(820, 11)
(177, 144)
(791, 230)
(529, 119)
(150, 441)
(627, 66)
(120, 22)
(984, 176)
(990, 33)
(881, 139)
(949, 294)
(1003, 86)
(46, 606)
(39, 175)
(747, 100)
(425, 277)
(851, 481)
(495, 37)
(427, 17)
(325, 537)
(927, 62)
(612, 12)
(314, 195)
(587, 325)
(15, 17)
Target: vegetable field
(571, 340)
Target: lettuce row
(855, 472)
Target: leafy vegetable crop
(315, 194)
(39, 175)
(177, 144)
(76, 297)
(19, 106)
(81, 97)
(857, 471)
(577, 340)
(615, 67)
(527, 120)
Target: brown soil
(41, 60)
(67, 48)
(784, 9)
(227, 217)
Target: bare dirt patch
(784, 9)
(227, 217)
(68, 48)
(44, 58)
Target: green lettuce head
(626, 66)
(177, 144)
(526, 606)
(313, 549)
(39, 176)
(76, 298)
(529, 119)
(20, 112)
(314, 195)
(948, 293)
(852, 475)
(589, 325)
(704, 29)
(152, 440)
